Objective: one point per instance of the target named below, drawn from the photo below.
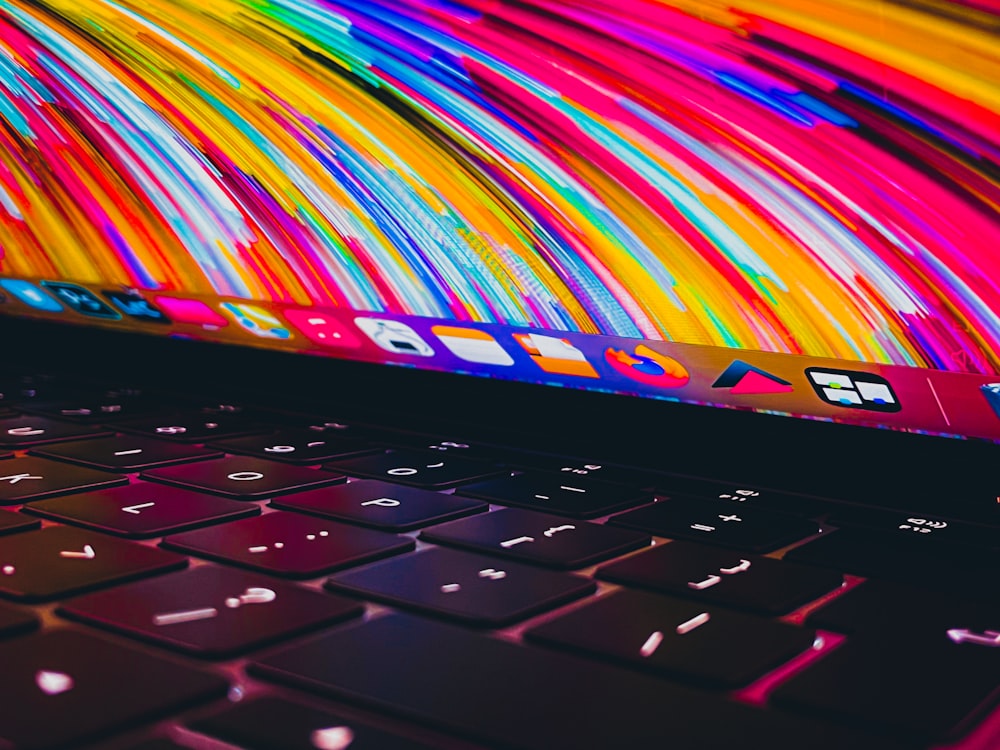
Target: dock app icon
(853, 390)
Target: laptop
(537, 375)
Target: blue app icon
(136, 306)
(992, 393)
(31, 295)
(82, 300)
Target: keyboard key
(718, 522)
(63, 688)
(26, 430)
(381, 505)
(11, 523)
(289, 545)
(573, 469)
(125, 453)
(476, 589)
(277, 724)
(211, 611)
(541, 538)
(433, 471)
(885, 607)
(14, 621)
(674, 638)
(900, 524)
(243, 477)
(25, 479)
(920, 688)
(89, 410)
(747, 495)
(553, 493)
(749, 582)
(295, 446)
(142, 510)
(505, 695)
(190, 427)
(59, 560)
(919, 561)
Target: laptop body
(892, 448)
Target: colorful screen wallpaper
(813, 177)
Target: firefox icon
(648, 366)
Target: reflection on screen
(805, 176)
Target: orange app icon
(556, 355)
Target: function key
(59, 560)
(433, 471)
(742, 581)
(541, 538)
(381, 505)
(295, 446)
(62, 688)
(190, 427)
(472, 588)
(554, 493)
(11, 523)
(25, 479)
(922, 689)
(684, 640)
(242, 477)
(718, 522)
(211, 611)
(125, 453)
(289, 545)
(25, 430)
(882, 606)
(142, 510)
(502, 694)
(268, 723)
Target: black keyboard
(176, 574)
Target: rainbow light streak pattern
(807, 176)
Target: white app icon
(473, 345)
(394, 337)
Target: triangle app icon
(745, 379)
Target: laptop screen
(789, 206)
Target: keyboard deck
(178, 574)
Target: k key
(24, 479)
